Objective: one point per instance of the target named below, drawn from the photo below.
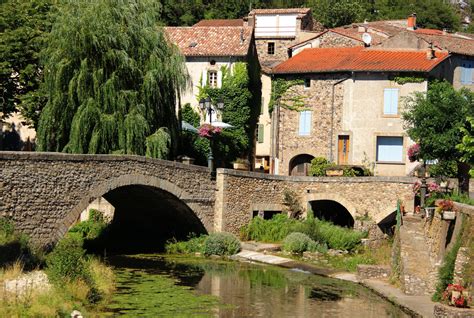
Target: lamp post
(206, 105)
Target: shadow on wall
(332, 211)
(10, 139)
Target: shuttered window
(305, 123)
(390, 101)
(260, 133)
(390, 149)
(467, 72)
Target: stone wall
(240, 193)
(44, 193)
(326, 118)
(373, 271)
(443, 311)
(332, 39)
(281, 49)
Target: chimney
(411, 22)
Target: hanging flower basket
(209, 131)
(413, 152)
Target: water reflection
(177, 287)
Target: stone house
(347, 107)
(209, 48)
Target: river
(154, 285)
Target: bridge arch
(346, 210)
(162, 196)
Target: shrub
(92, 228)
(192, 245)
(66, 262)
(299, 242)
(319, 166)
(337, 237)
(221, 244)
(273, 230)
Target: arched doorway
(332, 211)
(300, 165)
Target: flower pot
(449, 215)
(241, 166)
(336, 172)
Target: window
(262, 105)
(305, 123)
(271, 48)
(213, 78)
(307, 83)
(390, 149)
(390, 101)
(467, 72)
(260, 133)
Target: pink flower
(413, 152)
(208, 131)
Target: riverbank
(417, 306)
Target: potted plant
(445, 207)
(456, 295)
(241, 164)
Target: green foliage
(446, 271)
(298, 243)
(292, 203)
(91, 228)
(339, 238)
(279, 87)
(221, 244)
(466, 147)
(194, 244)
(111, 78)
(66, 262)
(7, 231)
(444, 169)
(158, 145)
(24, 24)
(408, 79)
(319, 166)
(340, 12)
(274, 230)
(190, 116)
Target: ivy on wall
(408, 79)
(279, 87)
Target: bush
(319, 166)
(337, 237)
(66, 262)
(299, 242)
(273, 230)
(221, 244)
(193, 245)
(91, 228)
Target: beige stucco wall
(263, 149)
(363, 120)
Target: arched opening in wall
(145, 218)
(300, 165)
(332, 211)
(387, 225)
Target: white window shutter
(204, 78)
(219, 79)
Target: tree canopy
(111, 80)
(435, 120)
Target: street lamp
(206, 105)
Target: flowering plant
(456, 295)
(413, 152)
(444, 205)
(208, 131)
(431, 187)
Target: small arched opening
(387, 224)
(332, 211)
(300, 165)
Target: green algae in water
(143, 295)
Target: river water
(165, 286)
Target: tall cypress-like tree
(111, 78)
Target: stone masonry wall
(281, 49)
(331, 39)
(318, 99)
(240, 193)
(44, 193)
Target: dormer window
(212, 78)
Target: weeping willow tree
(112, 80)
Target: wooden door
(343, 147)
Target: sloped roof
(358, 59)
(450, 42)
(220, 23)
(281, 11)
(211, 41)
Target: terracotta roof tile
(281, 11)
(220, 23)
(211, 41)
(450, 42)
(358, 59)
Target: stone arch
(299, 164)
(111, 184)
(345, 203)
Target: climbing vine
(408, 79)
(279, 87)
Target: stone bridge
(45, 193)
